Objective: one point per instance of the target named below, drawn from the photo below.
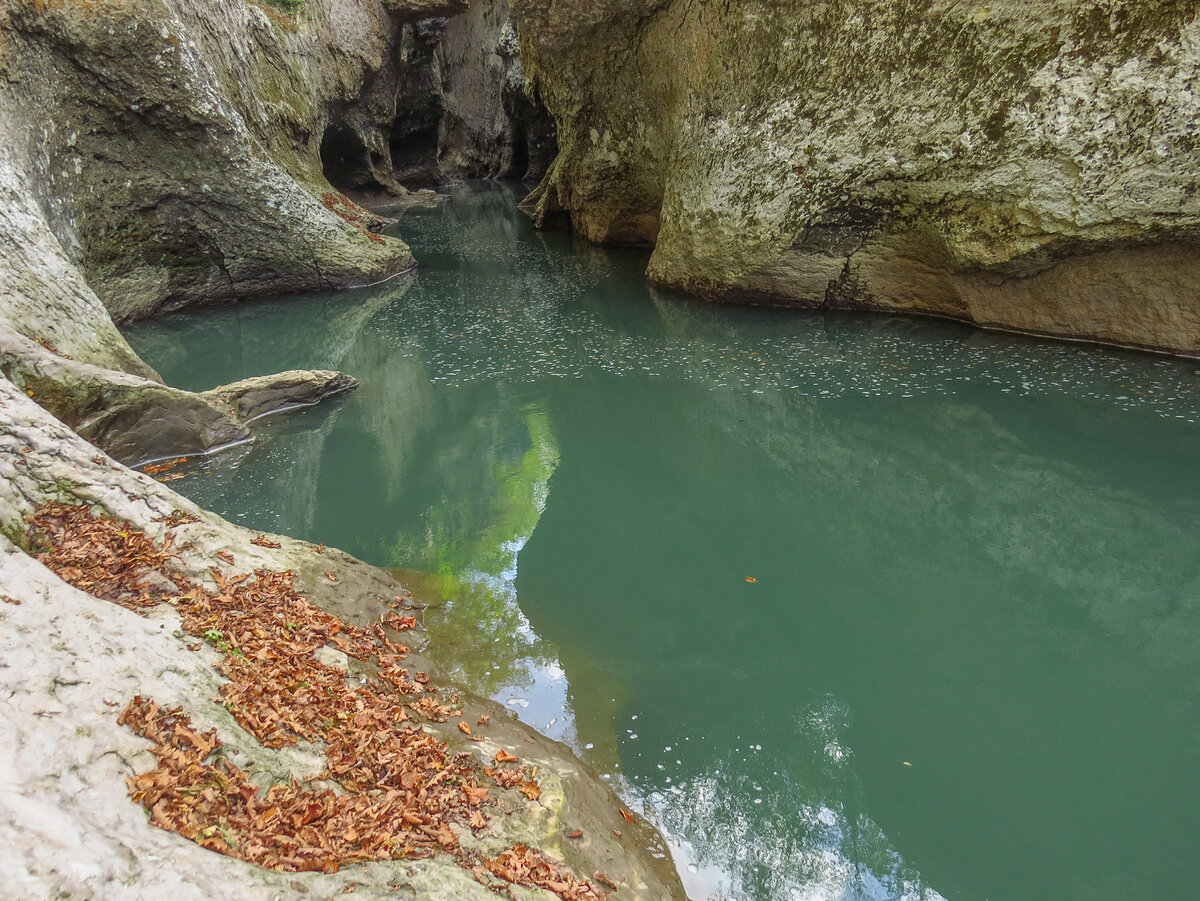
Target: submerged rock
(1025, 167)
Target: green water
(969, 666)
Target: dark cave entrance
(344, 160)
(519, 166)
(414, 152)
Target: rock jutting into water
(162, 155)
(1016, 165)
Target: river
(854, 606)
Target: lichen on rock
(1020, 165)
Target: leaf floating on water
(163, 467)
(751, 579)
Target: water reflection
(968, 664)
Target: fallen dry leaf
(464, 728)
(331, 575)
(575, 833)
(502, 756)
(399, 788)
(264, 541)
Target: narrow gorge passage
(856, 606)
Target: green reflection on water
(974, 554)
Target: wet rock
(1032, 172)
(253, 398)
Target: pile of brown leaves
(528, 866)
(100, 556)
(401, 788)
(347, 209)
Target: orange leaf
(464, 728)
(531, 790)
(627, 815)
(475, 794)
(502, 756)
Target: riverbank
(75, 662)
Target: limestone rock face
(1025, 165)
(490, 125)
(174, 147)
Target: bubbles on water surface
(511, 310)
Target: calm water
(969, 664)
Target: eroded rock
(1024, 166)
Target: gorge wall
(163, 154)
(1028, 164)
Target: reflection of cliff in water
(201, 349)
(1035, 487)
(973, 553)
(926, 529)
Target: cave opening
(519, 165)
(344, 160)
(414, 152)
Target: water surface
(967, 666)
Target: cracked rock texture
(1027, 164)
(173, 148)
(491, 125)
(69, 663)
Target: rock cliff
(164, 154)
(1025, 165)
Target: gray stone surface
(69, 663)
(1029, 164)
(174, 147)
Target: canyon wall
(163, 154)
(1029, 164)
